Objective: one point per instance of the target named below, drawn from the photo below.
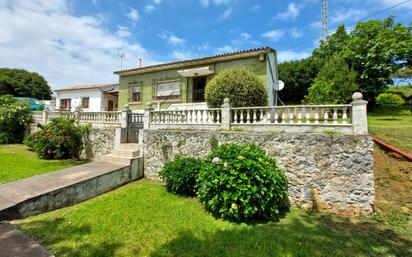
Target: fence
(348, 118)
(82, 117)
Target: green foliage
(214, 143)
(180, 175)
(240, 182)
(240, 85)
(390, 102)
(22, 83)
(404, 91)
(59, 139)
(376, 50)
(334, 84)
(14, 117)
(298, 76)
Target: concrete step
(117, 159)
(127, 147)
(125, 153)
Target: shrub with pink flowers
(241, 182)
(61, 138)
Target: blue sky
(78, 41)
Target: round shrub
(61, 138)
(180, 175)
(390, 102)
(243, 87)
(240, 182)
(14, 118)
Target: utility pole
(324, 19)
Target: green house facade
(185, 81)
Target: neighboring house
(184, 81)
(88, 98)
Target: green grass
(18, 162)
(142, 219)
(397, 132)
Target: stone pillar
(147, 116)
(225, 125)
(359, 116)
(125, 116)
(44, 117)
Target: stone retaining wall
(331, 172)
(99, 141)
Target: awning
(201, 71)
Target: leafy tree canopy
(18, 82)
(376, 50)
(298, 76)
(334, 84)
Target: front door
(110, 105)
(199, 84)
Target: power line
(361, 19)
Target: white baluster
(300, 117)
(316, 116)
(241, 117)
(276, 117)
(291, 117)
(248, 116)
(344, 117)
(307, 117)
(218, 117)
(254, 118)
(326, 117)
(283, 117)
(263, 116)
(335, 116)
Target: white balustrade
(203, 116)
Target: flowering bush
(240, 182)
(14, 117)
(60, 139)
(180, 175)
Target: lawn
(142, 219)
(397, 132)
(18, 162)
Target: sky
(72, 42)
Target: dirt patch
(393, 177)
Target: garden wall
(328, 172)
(99, 141)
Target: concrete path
(98, 177)
(13, 243)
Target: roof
(197, 61)
(89, 86)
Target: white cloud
(157, 2)
(274, 35)
(255, 8)
(206, 3)
(292, 12)
(342, 15)
(149, 8)
(182, 55)
(204, 47)
(43, 36)
(225, 49)
(295, 32)
(172, 39)
(226, 14)
(133, 15)
(292, 55)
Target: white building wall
(95, 99)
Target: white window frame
(175, 93)
(131, 93)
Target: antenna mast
(324, 19)
(121, 56)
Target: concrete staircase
(123, 153)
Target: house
(183, 82)
(88, 98)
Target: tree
(298, 76)
(22, 83)
(375, 49)
(334, 84)
(14, 117)
(392, 103)
(240, 85)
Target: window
(168, 89)
(65, 104)
(85, 102)
(136, 93)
